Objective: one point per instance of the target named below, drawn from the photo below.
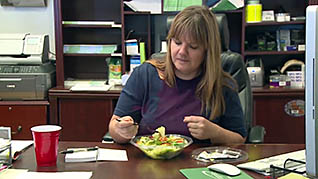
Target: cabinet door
(84, 119)
(282, 116)
(22, 118)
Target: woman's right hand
(122, 129)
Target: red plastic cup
(46, 139)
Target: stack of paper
(87, 85)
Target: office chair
(232, 63)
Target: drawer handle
(18, 130)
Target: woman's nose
(183, 50)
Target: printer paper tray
(32, 87)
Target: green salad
(161, 146)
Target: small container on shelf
(253, 11)
(279, 81)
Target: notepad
(97, 155)
(205, 173)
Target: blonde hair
(200, 23)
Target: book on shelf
(101, 154)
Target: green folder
(205, 173)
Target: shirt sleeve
(232, 119)
(130, 99)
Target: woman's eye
(193, 46)
(177, 42)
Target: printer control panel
(20, 69)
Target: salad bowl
(161, 147)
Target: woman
(187, 92)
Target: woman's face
(187, 57)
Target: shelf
(136, 13)
(92, 26)
(86, 54)
(246, 53)
(274, 23)
(266, 91)
(230, 11)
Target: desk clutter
(94, 154)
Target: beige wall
(35, 20)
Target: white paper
(90, 87)
(97, 155)
(55, 175)
(237, 3)
(20, 145)
(12, 173)
(152, 6)
(112, 154)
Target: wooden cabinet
(83, 23)
(83, 116)
(22, 115)
(281, 112)
(259, 40)
(87, 31)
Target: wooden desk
(140, 166)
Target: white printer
(25, 70)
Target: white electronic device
(225, 168)
(24, 48)
(311, 91)
(255, 69)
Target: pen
(119, 120)
(79, 150)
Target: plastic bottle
(114, 67)
(253, 11)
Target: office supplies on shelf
(262, 166)
(90, 48)
(89, 22)
(100, 154)
(86, 85)
(69, 151)
(178, 5)
(90, 87)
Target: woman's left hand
(200, 127)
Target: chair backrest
(232, 63)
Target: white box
(131, 47)
(296, 78)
